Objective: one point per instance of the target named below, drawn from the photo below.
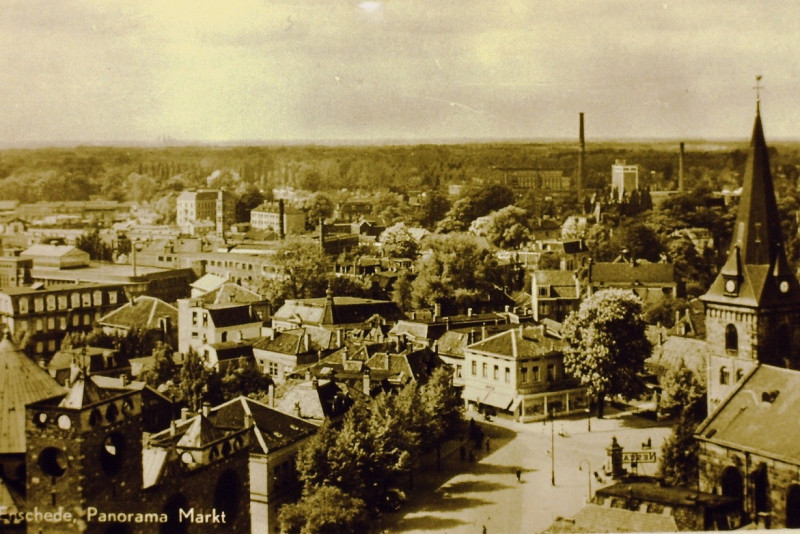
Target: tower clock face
(784, 286)
(730, 286)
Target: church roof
(22, 382)
(765, 400)
(756, 259)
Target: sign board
(639, 457)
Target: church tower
(753, 307)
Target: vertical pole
(552, 449)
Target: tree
(685, 392)
(606, 344)
(318, 207)
(398, 242)
(432, 209)
(197, 383)
(163, 368)
(508, 228)
(440, 410)
(93, 244)
(245, 379)
(324, 510)
(476, 202)
(456, 271)
(302, 270)
(402, 290)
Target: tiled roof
(142, 313)
(693, 353)
(232, 316)
(201, 432)
(228, 350)
(230, 293)
(305, 400)
(629, 273)
(21, 382)
(345, 310)
(760, 415)
(274, 429)
(84, 392)
(519, 344)
(596, 518)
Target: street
(465, 497)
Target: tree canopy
(398, 242)
(455, 270)
(606, 344)
(302, 270)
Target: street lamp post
(552, 447)
(588, 476)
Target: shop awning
(498, 400)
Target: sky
(327, 71)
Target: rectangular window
(551, 373)
(51, 302)
(474, 368)
(76, 319)
(112, 297)
(75, 299)
(508, 375)
(38, 305)
(23, 305)
(51, 323)
(194, 318)
(86, 299)
(483, 370)
(62, 302)
(273, 368)
(496, 372)
(458, 371)
(38, 325)
(51, 345)
(62, 322)
(97, 298)
(535, 373)
(39, 347)
(524, 375)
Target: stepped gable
(21, 382)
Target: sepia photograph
(394, 266)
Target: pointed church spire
(757, 266)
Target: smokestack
(581, 156)
(680, 169)
(281, 220)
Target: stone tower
(752, 308)
(84, 449)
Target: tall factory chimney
(581, 156)
(680, 169)
(281, 220)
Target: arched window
(724, 375)
(739, 374)
(731, 338)
(732, 484)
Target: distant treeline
(148, 174)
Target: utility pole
(552, 448)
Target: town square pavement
(464, 497)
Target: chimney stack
(184, 414)
(581, 156)
(206, 409)
(680, 168)
(366, 382)
(281, 220)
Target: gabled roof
(55, 251)
(21, 382)
(230, 293)
(292, 341)
(273, 428)
(519, 343)
(331, 311)
(760, 415)
(142, 313)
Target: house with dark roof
(280, 353)
(316, 400)
(67, 364)
(520, 374)
(154, 319)
(228, 313)
(651, 282)
(335, 312)
(555, 293)
(423, 330)
(226, 354)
